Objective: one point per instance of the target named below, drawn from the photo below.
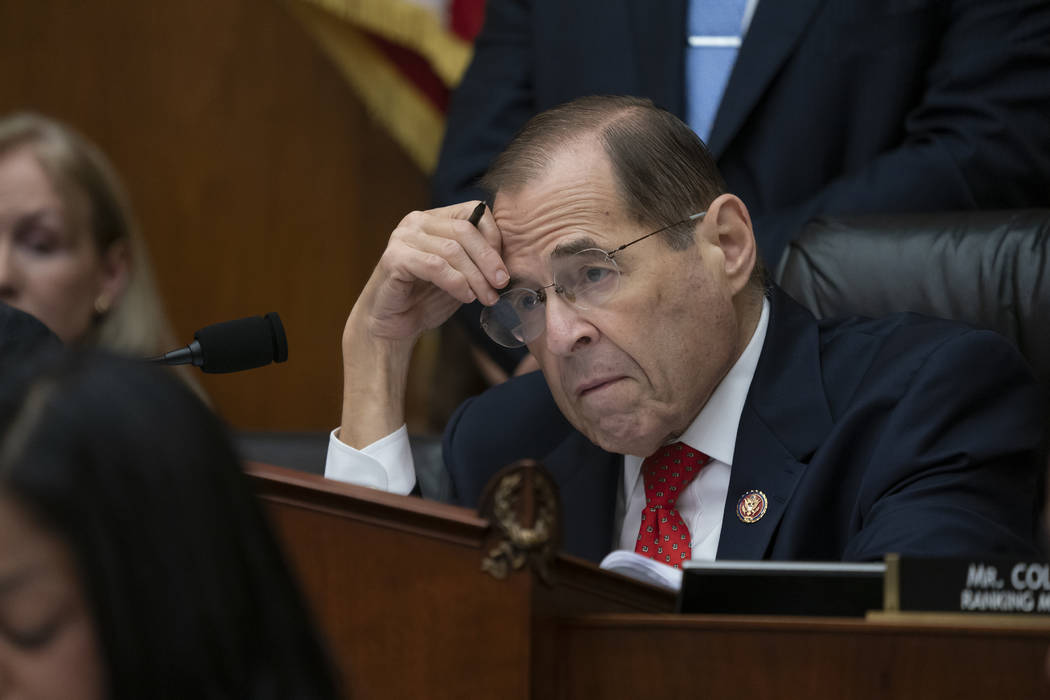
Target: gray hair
(663, 171)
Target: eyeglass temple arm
(691, 217)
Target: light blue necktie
(713, 36)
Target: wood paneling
(812, 658)
(397, 586)
(258, 179)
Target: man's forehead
(558, 230)
(575, 198)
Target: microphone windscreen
(246, 343)
(280, 341)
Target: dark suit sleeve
(493, 101)
(978, 138)
(956, 471)
(514, 420)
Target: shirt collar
(713, 431)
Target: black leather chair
(990, 269)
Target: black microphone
(231, 346)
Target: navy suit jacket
(905, 434)
(833, 106)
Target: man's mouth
(595, 385)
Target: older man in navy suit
(687, 409)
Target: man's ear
(115, 274)
(733, 234)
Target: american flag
(403, 57)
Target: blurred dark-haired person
(70, 252)
(21, 335)
(134, 561)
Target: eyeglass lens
(585, 279)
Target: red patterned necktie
(664, 536)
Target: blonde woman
(70, 252)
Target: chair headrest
(990, 269)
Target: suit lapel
(761, 463)
(774, 32)
(785, 419)
(587, 479)
(659, 48)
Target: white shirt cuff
(386, 464)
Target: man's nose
(567, 329)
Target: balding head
(662, 169)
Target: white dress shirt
(387, 463)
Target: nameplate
(1000, 586)
(781, 588)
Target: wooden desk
(397, 586)
(743, 657)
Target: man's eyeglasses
(586, 279)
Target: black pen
(475, 216)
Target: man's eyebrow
(574, 246)
(562, 251)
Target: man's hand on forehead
(434, 261)
(444, 248)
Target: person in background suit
(134, 561)
(615, 253)
(70, 252)
(825, 106)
